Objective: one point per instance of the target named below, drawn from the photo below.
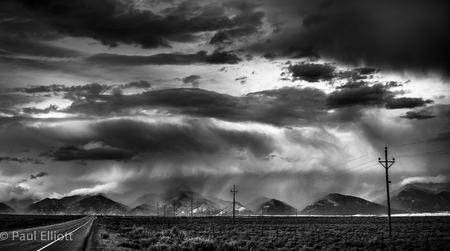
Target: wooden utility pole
(386, 164)
(234, 191)
(192, 204)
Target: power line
(367, 154)
(338, 174)
(422, 154)
(419, 142)
(412, 155)
(346, 171)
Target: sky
(289, 99)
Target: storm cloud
(192, 136)
(120, 22)
(404, 35)
(312, 72)
(218, 57)
(278, 107)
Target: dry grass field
(271, 233)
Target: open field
(17, 221)
(271, 233)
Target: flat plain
(271, 233)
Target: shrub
(199, 244)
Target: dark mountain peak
(339, 204)
(276, 207)
(98, 204)
(47, 206)
(415, 199)
(255, 205)
(5, 209)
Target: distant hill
(98, 204)
(240, 210)
(255, 205)
(420, 200)
(5, 209)
(149, 199)
(46, 206)
(275, 207)
(338, 204)
(143, 210)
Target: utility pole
(234, 191)
(164, 207)
(157, 208)
(386, 164)
(192, 204)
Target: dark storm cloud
(38, 175)
(22, 160)
(312, 72)
(365, 94)
(114, 22)
(399, 34)
(69, 153)
(278, 107)
(366, 70)
(418, 115)
(435, 111)
(216, 57)
(190, 137)
(399, 103)
(375, 95)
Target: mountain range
(177, 201)
(420, 200)
(338, 204)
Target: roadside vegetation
(270, 233)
